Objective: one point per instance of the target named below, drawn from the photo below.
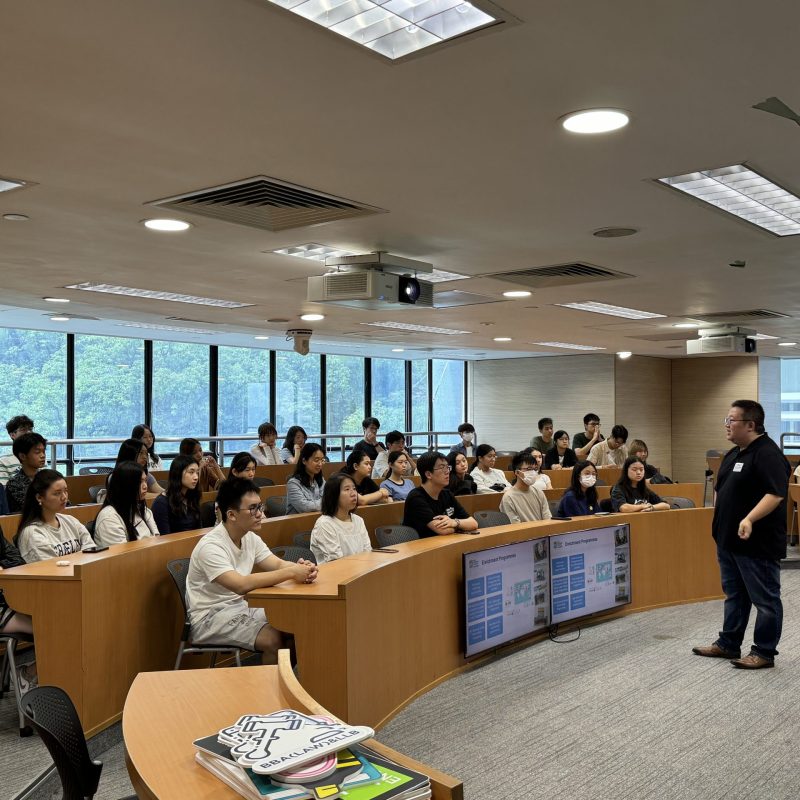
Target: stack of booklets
(288, 755)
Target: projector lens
(409, 290)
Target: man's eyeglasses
(255, 509)
(728, 420)
(442, 468)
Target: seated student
(227, 563)
(487, 478)
(11, 621)
(395, 443)
(630, 493)
(611, 452)
(638, 448)
(562, 456)
(543, 481)
(145, 434)
(544, 441)
(304, 487)
(264, 451)
(125, 516)
(582, 443)
(396, 483)
(294, 443)
(16, 426)
(243, 466)
(44, 530)
(524, 502)
(796, 474)
(29, 449)
(135, 450)
(430, 509)
(211, 474)
(467, 444)
(359, 467)
(581, 498)
(370, 444)
(461, 482)
(178, 509)
(338, 532)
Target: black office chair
(387, 535)
(709, 473)
(90, 527)
(8, 674)
(606, 505)
(95, 470)
(208, 514)
(55, 719)
(490, 519)
(679, 502)
(600, 482)
(95, 490)
(553, 505)
(294, 553)
(302, 539)
(276, 506)
(263, 481)
(178, 569)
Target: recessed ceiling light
(595, 120)
(685, 325)
(611, 311)
(786, 344)
(167, 225)
(55, 299)
(393, 29)
(7, 185)
(407, 326)
(174, 328)
(614, 233)
(624, 354)
(517, 293)
(16, 217)
(261, 338)
(278, 319)
(398, 350)
(313, 252)
(568, 346)
(156, 295)
(312, 317)
(502, 339)
(60, 319)
(746, 194)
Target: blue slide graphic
(576, 562)
(494, 605)
(560, 605)
(494, 583)
(475, 588)
(577, 581)
(476, 610)
(476, 633)
(577, 600)
(494, 627)
(560, 566)
(561, 585)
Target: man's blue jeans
(750, 582)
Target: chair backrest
(292, 553)
(178, 568)
(713, 454)
(95, 490)
(606, 504)
(208, 514)
(490, 519)
(679, 502)
(263, 481)
(388, 535)
(95, 470)
(53, 715)
(302, 539)
(276, 506)
(600, 482)
(90, 527)
(553, 505)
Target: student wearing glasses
(304, 487)
(430, 508)
(227, 563)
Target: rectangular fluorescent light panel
(154, 295)
(407, 326)
(744, 193)
(568, 346)
(393, 28)
(611, 311)
(174, 328)
(313, 252)
(7, 185)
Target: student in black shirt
(561, 456)
(359, 468)
(749, 528)
(370, 444)
(179, 508)
(461, 482)
(430, 508)
(631, 493)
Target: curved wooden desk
(166, 711)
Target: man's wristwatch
(458, 526)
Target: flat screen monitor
(590, 572)
(506, 594)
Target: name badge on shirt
(737, 467)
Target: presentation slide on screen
(506, 592)
(590, 572)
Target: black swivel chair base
(9, 677)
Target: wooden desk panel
(10, 522)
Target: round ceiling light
(595, 120)
(16, 217)
(516, 293)
(312, 317)
(614, 233)
(624, 354)
(166, 225)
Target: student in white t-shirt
(338, 532)
(227, 563)
(524, 501)
(125, 516)
(44, 530)
(486, 477)
(264, 450)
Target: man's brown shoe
(714, 651)
(753, 661)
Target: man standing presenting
(749, 528)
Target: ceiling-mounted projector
(724, 340)
(373, 281)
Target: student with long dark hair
(561, 455)
(12, 621)
(125, 515)
(136, 450)
(243, 466)
(359, 468)
(304, 487)
(396, 482)
(145, 434)
(487, 478)
(178, 509)
(338, 531)
(581, 498)
(294, 443)
(211, 474)
(44, 530)
(461, 482)
(631, 492)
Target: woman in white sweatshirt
(338, 532)
(486, 477)
(124, 516)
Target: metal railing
(791, 446)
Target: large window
(790, 401)
(180, 391)
(345, 399)
(297, 392)
(243, 395)
(448, 398)
(389, 393)
(33, 381)
(419, 403)
(109, 392)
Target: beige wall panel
(643, 395)
(702, 391)
(508, 396)
(769, 394)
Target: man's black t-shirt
(370, 449)
(367, 486)
(744, 477)
(421, 508)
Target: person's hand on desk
(307, 571)
(442, 524)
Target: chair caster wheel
(26, 731)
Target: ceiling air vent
(267, 203)
(560, 275)
(455, 298)
(754, 313)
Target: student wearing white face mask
(467, 445)
(581, 498)
(524, 501)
